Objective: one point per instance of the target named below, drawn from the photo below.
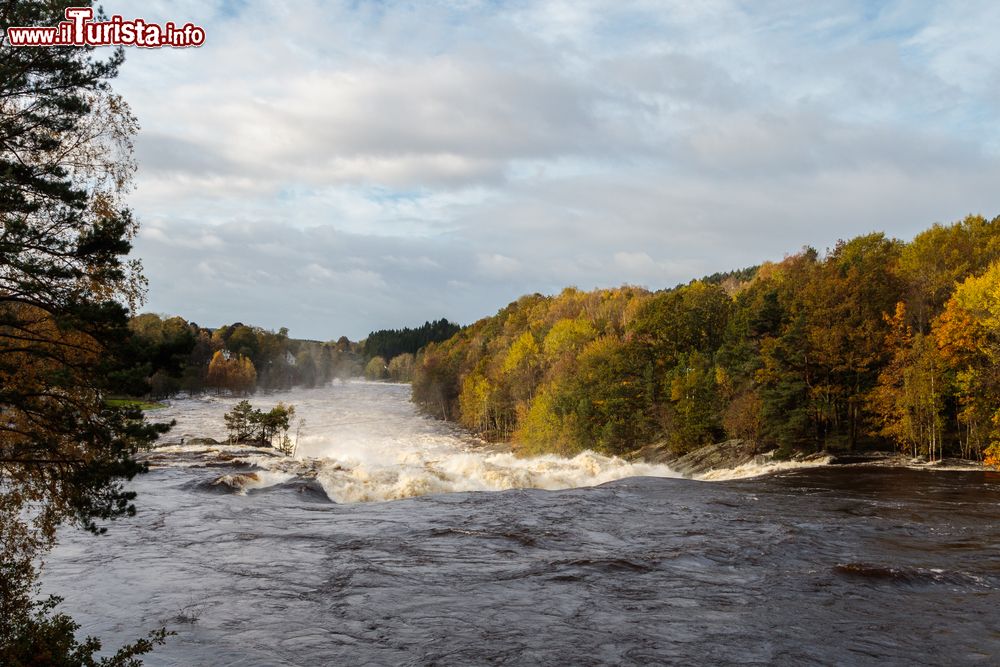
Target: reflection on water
(817, 566)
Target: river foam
(415, 475)
(755, 469)
(364, 442)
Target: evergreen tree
(65, 163)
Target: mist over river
(395, 539)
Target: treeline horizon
(389, 343)
(164, 356)
(875, 343)
(390, 353)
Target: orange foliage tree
(968, 335)
(233, 373)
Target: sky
(341, 167)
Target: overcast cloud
(342, 167)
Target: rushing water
(250, 560)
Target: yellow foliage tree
(235, 374)
(968, 336)
(908, 398)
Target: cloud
(338, 167)
(496, 265)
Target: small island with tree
(252, 426)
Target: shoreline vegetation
(163, 356)
(733, 455)
(875, 345)
(268, 433)
(709, 463)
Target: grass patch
(134, 403)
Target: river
(395, 539)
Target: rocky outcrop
(719, 456)
(206, 452)
(201, 441)
(723, 455)
(902, 460)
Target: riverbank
(738, 458)
(724, 461)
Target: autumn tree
(968, 335)
(908, 399)
(809, 353)
(401, 367)
(436, 383)
(376, 369)
(65, 233)
(233, 373)
(694, 417)
(610, 397)
(743, 417)
(940, 258)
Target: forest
(161, 357)
(390, 343)
(876, 343)
(390, 353)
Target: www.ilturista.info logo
(79, 29)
